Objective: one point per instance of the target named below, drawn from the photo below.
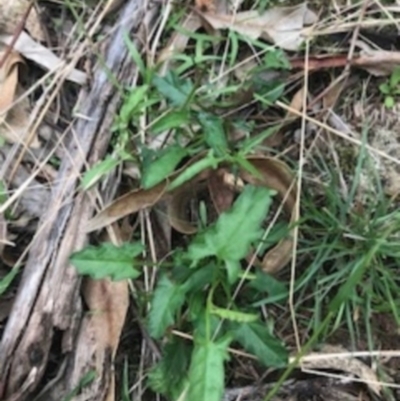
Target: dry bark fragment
(48, 304)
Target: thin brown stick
(17, 32)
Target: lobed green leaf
(173, 88)
(255, 338)
(266, 283)
(167, 299)
(170, 375)
(206, 373)
(231, 236)
(108, 260)
(213, 132)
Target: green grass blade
(213, 132)
(196, 168)
(164, 164)
(134, 53)
(99, 170)
(6, 281)
(354, 278)
(172, 119)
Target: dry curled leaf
(127, 204)
(296, 104)
(134, 201)
(14, 108)
(376, 62)
(332, 94)
(339, 359)
(42, 56)
(177, 206)
(108, 303)
(12, 14)
(222, 189)
(9, 79)
(282, 26)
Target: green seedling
(391, 88)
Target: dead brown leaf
(14, 115)
(134, 201)
(282, 26)
(376, 62)
(178, 205)
(14, 127)
(108, 303)
(42, 56)
(296, 104)
(343, 362)
(9, 79)
(332, 94)
(127, 204)
(12, 14)
(221, 189)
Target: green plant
(391, 88)
(195, 291)
(183, 108)
(354, 248)
(191, 110)
(195, 294)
